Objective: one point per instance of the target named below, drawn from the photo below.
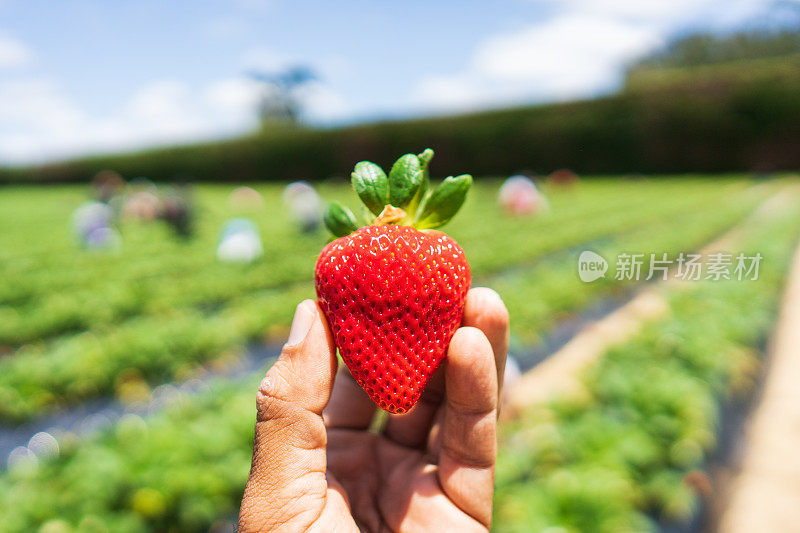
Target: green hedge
(722, 123)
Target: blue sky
(89, 75)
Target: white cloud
(234, 94)
(569, 56)
(32, 110)
(449, 92)
(564, 56)
(14, 53)
(39, 122)
(164, 110)
(323, 104)
(233, 102)
(581, 50)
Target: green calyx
(403, 197)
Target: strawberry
(394, 291)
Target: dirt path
(766, 492)
(560, 375)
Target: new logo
(591, 266)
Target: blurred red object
(563, 178)
(519, 196)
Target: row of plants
(43, 213)
(552, 291)
(600, 462)
(42, 256)
(141, 353)
(149, 254)
(154, 349)
(72, 292)
(622, 207)
(182, 469)
(625, 453)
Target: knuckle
(480, 455)
(280, 412)
(274, 393)
(474, 410)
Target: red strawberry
(393, 292)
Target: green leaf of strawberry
(406, 190)
(404, 180)
(425, 158)
(371, 185)
(444, 202)
(340, 220)
(424, 161)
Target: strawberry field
(153, 351)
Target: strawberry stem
(390, 215)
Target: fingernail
(303, 318)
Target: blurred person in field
(519, 196)
(240, 242)
(245, 199)
(106, 185)
(92, 225)
(304, 204)
(320, 465)
(141, 201)
(177, 210)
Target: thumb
(287, 477)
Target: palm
(318, 466)
(391, 486)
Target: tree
(280, 100)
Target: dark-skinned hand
(318, 467)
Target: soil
(765, 492)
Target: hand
(318, 467)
